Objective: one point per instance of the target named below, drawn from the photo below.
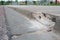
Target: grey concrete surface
(57, 26)
(37, 36)
(54, 10)
(3, 30)
(18, 24)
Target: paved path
(3, 31)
